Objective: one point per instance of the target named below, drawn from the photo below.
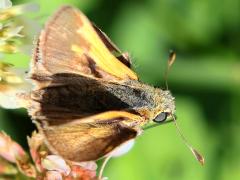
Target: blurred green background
(205, 81)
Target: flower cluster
(13, 37)
(12, 32)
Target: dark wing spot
(92, 66)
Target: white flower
(12, 28)
(4, 4)
(53, 175)
(12, 82)
(56, 163)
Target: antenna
(196, 154)
(171, 59)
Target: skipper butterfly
(86, 100)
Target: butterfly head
(167, 103)
(166, 108)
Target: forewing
(70, 44)
(90, 138)
(123, 57)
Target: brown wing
(70, 44)
(90, 138)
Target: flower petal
(56, 163)
(26, 167)
(12, 82)
(37, 149)
(10, 31)
(53, 175)
(17, 10)
(6, 168)
(9, 150)
(78, 172)
(4, 4)
(13, 152)
(8, 48)
(90, 165)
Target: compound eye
(161, 117)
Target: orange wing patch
(99, 52)
(70, 44)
